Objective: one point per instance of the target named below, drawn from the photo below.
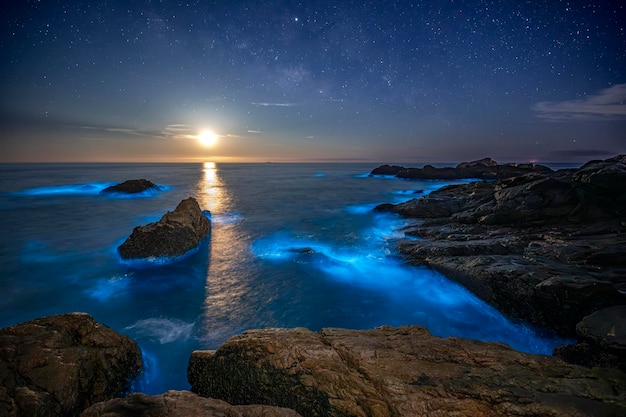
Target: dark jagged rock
(387, 170)
(606, 327)
(485, 168)
(544, 247)
(132, 187)
(399, 372)
(59, 365)
(180, 404)
(302, 250)
(177, 232)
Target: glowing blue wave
(149, 372)
(161, 329)
(159, 260)
(444, 307)
(108, 288)
(93, 188)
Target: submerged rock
(180, 404)
(132, 187)
(399, 372)
(177, 232)
(59, 365)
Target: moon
(207, 138)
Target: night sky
(371, 81)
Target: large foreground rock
(177, 232)
(180, 404)
(402, 371)
(59, 365)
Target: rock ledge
(389, 372)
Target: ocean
(292, 245)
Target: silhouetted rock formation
(59, 365)
(177, 232)
(399, 372)
(485, 168)
(549, 248)
(132, 187)
(180, 404)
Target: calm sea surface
(291, 245)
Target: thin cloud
(178, 131)
(609, 104)
(123, 130)
(266, 104)
(254, 131)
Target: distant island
(485, 168)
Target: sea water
(291, 245)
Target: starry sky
(352, 81)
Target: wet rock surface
(399, 372)
(59, 365)
(485, 168)
(548, 248)
(132, 187)
(180, 404)
(174, 234)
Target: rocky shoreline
(548, 248)
(70, 365)
(545, 247)
(398, 372)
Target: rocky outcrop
(180, 404)
(403, 371)
(132, 187)
(548, 248)
(485, 168)
(605, 328)
(177, 232)
(59, 365)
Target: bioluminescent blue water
(291, 245)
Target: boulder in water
(177, 232)
(132, 187)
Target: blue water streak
(90, 189)
(420, 295)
